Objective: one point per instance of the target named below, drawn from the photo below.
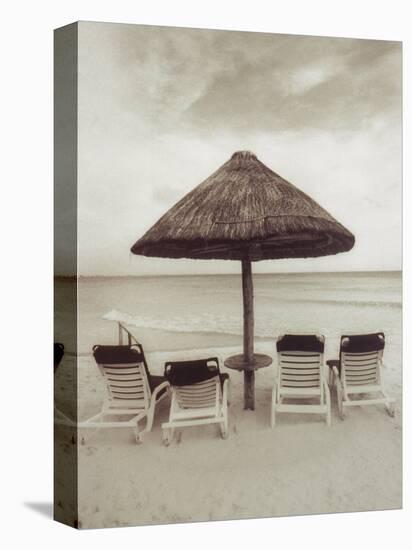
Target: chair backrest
(196, 384)
(125, 372)
(360, 358)
(300, 358)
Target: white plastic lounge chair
(199, 396)
(358, 372)
(132, 391)
(300, 377)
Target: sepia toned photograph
(228, 275)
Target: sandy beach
(299, 467)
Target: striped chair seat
(132, 390)
(358, 371)
(199, 395)
(360, 358)
(300, 376)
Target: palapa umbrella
(247, 212)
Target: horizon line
(95, 276)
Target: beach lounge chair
(132, 390)
(358, 372)
(199, 396)
(59, 417)
(300, 377)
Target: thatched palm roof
(245, 211)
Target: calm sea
(197, 311)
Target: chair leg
(327, 399)
(224, 431)
(99, 417)
(390, 409)
(389, 404)
(224, 425)
(150, 417)
(339, 392)
(273, 407)
(340, 400)
(167, 436)
(149, 423)
(273, 418)
(331, 378)
(138, 435)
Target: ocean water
(201, 311)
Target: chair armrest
(336, 373)
(334, 364)
(160, 388)
(225, 390)
(223, 376)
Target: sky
(160, 109)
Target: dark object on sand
(58, 354)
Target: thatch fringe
(245, 210)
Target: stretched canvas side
(65, 275)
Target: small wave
(354, 303)
(319, 300)
(266, 327)
(206, 323)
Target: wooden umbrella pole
(248, 338)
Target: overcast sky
(160, 109)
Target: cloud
(181, 80)
(161, 108)
(305, 78)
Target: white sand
(300, 467)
